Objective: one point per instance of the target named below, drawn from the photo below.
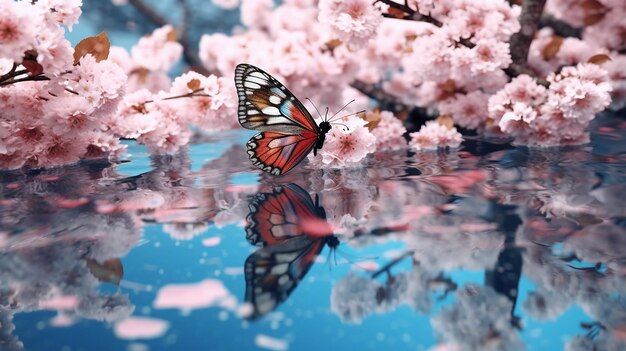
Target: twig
(392, 263)
(13, 73)
(25, 79)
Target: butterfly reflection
(292, 231)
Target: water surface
(489, 247)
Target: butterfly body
(288, 132)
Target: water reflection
(292, 231)
(554, 219)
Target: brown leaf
(393, 12)
(552, 48)
(372, 118)
(445, 121)
(592, 6)
(332, 44)
(599, 59)
(97, 46)
(110, 271)
(194, 84)
(33, 67)
(593, 18)
(171, 36)
(447, 89)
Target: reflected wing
(276, 217)
(277, 153)
(273, 272)
(267, 105)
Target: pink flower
(256, 13)
(158, 51)
(354, 22)
(346, 146)
(19, 26)
(467, 110)
(64, 12)
(490, 55)
(433, 135)
(54, 52)
(389, 132)
(580, 92)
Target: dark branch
(560, 27)
(25, 79)
(529, 20)
(387, 101)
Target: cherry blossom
(346, 145)
(352, 21)
(434, 135)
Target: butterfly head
(325, 127)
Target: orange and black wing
(288, 130)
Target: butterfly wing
(288, 130)
(267, 105)
(273, 272)
(277, 216)
(277, 221)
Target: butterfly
(288, 132)
(291, 231)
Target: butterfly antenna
(352, 114)
(341, 124)
(326, 115)
(341, 109)
(315, 107)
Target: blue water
(50, 245)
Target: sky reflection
(488, 248)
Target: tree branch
(529, 20)
(560, 27)
(25, 79)
(387, 101)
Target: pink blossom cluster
(161, 120)
(64, 118)
(557, 115)
(434, 135)
(38, 27)
(572, 51)
(288, 42)
(354, 22)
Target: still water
(488, 247)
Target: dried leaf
(171, 36)
(332, 44)
(372, 119)
(447, 89)
(592, 6)
(97, 46)
(33, 67)
(110, 271)
(552, 48)
(599, 59)
(593, 18)
(194, 84)
(445, 121)
(393, 12)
